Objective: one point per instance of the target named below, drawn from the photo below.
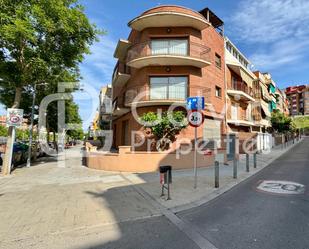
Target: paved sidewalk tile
(46, 200)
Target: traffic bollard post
(216, 174)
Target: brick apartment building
(243, 115)
(298, 98)
(172, 52)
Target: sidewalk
(183, 194)
(48, 203)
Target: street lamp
(31, 122)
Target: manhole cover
(281, 187)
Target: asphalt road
(242, 218)
(245, 218)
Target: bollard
(235, 168)
(254, 160)
(165, 179)
(247, 162)
(216, 174)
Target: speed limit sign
(195, 118)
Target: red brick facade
(208, 77)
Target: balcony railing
(241, 86)
(144, 93)
(193, 50)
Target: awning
(265, 109)
(246, 77)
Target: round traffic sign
(15, 119)
(195, 118)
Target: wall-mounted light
(168, 69)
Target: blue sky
(273, 34)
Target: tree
(165, 128)
(38, 41)
(281, 123)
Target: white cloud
(278, 29)
(96, 71)
(101, 60)
(280, 54)
(268, 21)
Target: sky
(272, 34)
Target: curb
(216, 193)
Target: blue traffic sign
(195, 103)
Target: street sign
(195, 103)
(14, 117)
(195, 118)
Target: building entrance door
(231, 146)
(125, 132)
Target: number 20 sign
(195, 118)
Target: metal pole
(235, 168)
(10, 157)
(31, 127)
(247, 162)
(216, 174)
(195, 157)
(254, 160)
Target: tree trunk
(17, 98)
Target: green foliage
(281, 123)
(166, 127)
(22, 135)
(42, 41)
(3, 131)
(301, 122)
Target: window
(218, 60)
(168, 87)
(218, 92)
(234, 83)
(166, 46)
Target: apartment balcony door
(125, 136)
(234, 112)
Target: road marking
(281, 187)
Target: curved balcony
(170, 19)
(143, 55)
(142, 96)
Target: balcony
(168, 18)
(118, 107)
(240, 120)
(120, 78)
(150, 54)
(240, 91)
(121, 49)
(143, 96)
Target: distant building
(298, 98)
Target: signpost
(195, 105)
(14, 118)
